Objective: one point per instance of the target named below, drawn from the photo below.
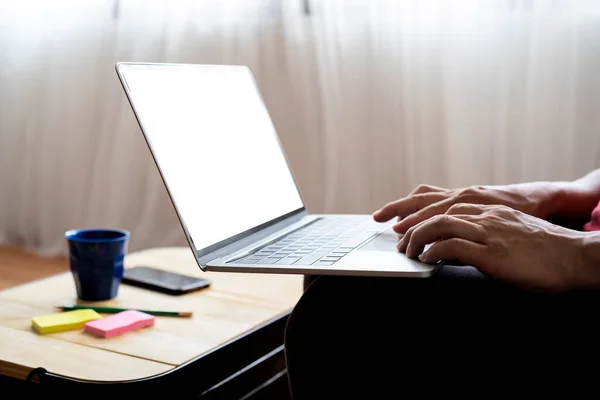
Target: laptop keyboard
(321, 243)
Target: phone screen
(163, 280)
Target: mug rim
(72, 235)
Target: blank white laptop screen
(215, 145)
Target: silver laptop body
(221, 161)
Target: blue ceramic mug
(96, 258)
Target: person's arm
(567, 203)
(577, 199)
(509, 245)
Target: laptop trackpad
(385, 241)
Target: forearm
(590, 182)
(578, 198)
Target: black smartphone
(163, 281)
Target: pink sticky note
(117, 324)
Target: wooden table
(234, 310)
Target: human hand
(536, 198)
(503, 243)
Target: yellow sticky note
(64, 321)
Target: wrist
(558, 196)
(570, 200)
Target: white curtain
(370, 98)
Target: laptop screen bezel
(120, 67)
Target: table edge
(174, 373)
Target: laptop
(223, 166)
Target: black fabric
(456, 332)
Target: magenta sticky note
(117, 324)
